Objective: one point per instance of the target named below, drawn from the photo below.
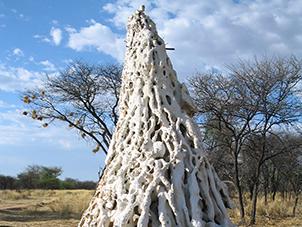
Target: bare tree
(227, 110)
(274, 83)
(83, 96)
(254, 99)
(289, 166)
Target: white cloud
(18, 52)
(14, 79)
(98, 36)
(15, 128)
(6, 105)
(215, 33)
(56, 35)
(55, 22)
(32, 59)
(70, 29)
(42, 38)
(48, 66)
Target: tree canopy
(83, 96)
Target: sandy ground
(52, 223)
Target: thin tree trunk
(238, 186)
(295, 205)
(251, 193)
(254, 204)
(255, 196)
(265, 195)
(274, 195)
(274, 185)
(265, 183)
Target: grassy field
(42, 207)
(275, 213)
(62, 208)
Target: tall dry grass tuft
(279, 209)
(69, 203)
(14, 194)
(62, 203)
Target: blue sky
(38, 37)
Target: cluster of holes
(186, 135)
(158, 126)
(159, 137)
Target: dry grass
(71, 202)
(42, 207)
(48, 208)
(275, 213)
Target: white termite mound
(156, 172)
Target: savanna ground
(49, 208)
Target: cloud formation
(209, 34)
(14, 79)
(48, 66)
(16, 128)
(98, 36)
(55, 38)
(56, 35)
(18, 52)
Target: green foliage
(7, 182)
(41, 177)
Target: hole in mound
(153, 56)
(185, 177)
(129, 141)
(158, 138)
(152, 134)
(149, 111)
(193, 161)
(141, 93)
(191, 143)
(204, 205)
(218, 219)
(183, 129)
(136, 210)
(157, 127)
(148, 124)
(171, 144)
(168, 99)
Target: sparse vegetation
(64, 208)
(250, 117)
(42, 207)
(275, 213)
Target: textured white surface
(156, 173)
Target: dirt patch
(52, 223)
